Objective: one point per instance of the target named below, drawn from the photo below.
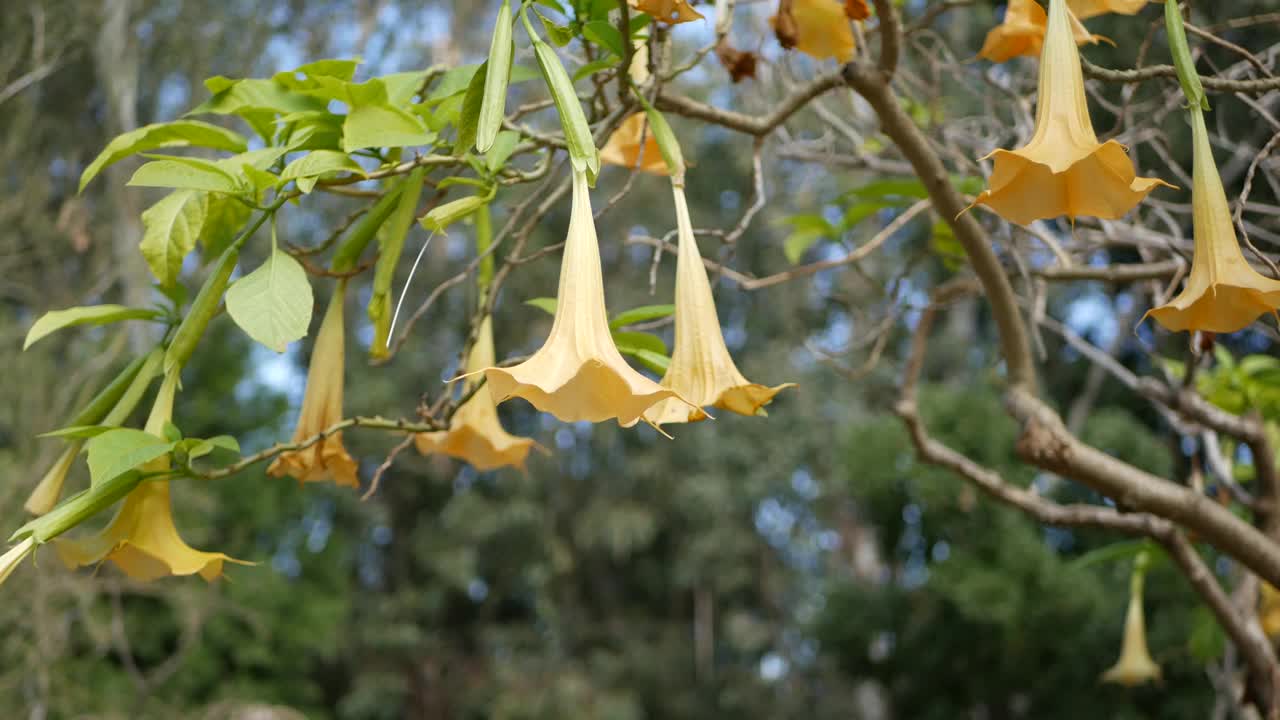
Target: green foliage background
(800, 566)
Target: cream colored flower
(1135, 665)
(475, 434)
(701, 369)
(1223, 292)
(142, 538)
(578, 373)
(322, 408)
(1063, 169)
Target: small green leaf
(494, 106)
(226, 447)
(117, 451)
(78, 431)
(545, 304)
(170, 230)
(501, 150)
(632, 342)
(656, 362)
(187, 174)
(159, 135)
(307, 169)
(469, 115)
(90, 315)
(644, 313)
(560, 35)
(605, 35)
(273, 304)
(596, 66)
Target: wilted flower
(49, 489)
(475, 435)
(1135, 665)
(624, 147)
(321, 408)
(1063, 169)
(1022, 32)
(818, 28)
(1223, 293)
(578, 373)
(142, 538)
(701, 369)
(668, 11)
(740, 63)
(1085, 9)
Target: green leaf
(606, 35)
(171, 134)
(273, 304)
(226, 447)
(253, 96)
(596, 66)
(501, 150)
(494, 105)
(644, 313)
(187, 174)
(656, 362)
(307, 169)
(633, 342)
(442, 216)
(469, 115)
(224, 216)
(545, 304)
(170, 230)
(117, 451)
(89, 315)
(560, 35)
(382, 126)
(577, 133)
(1115, 552)
(78, 431)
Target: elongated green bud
(1182, 60)
(392, 245)
(202, 310)
(107, 397)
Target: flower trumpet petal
(672, 12)
(817, 28)
(475, 434)
(1022, 33)
(1135, 665)
(1223, 292)
(578, 373)
(701, 369)
(1063, 169)
(142, 538)
(322, 408)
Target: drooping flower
(624, 147)
(1135, 665)
(142, 539)
(668, 11)
(475, 434)
(321, 408)
(578, 373)
(1085, 9)
(1022, 33)
(701, 369)
(817, 28)
(1223, 292)
(1063, 169)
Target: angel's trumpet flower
(817, 28)
(142, 539)
(475, 434)
(578, 373)
(321, 408)
(672, 12)
(1063, 169)
(1022, 32)
(1135, 665)
(1085, 9)
(1223, 292)
(701, 369)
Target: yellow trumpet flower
(321, 408)
(672, 12)
(142, 539)
(624, 147)
(817, 28)
(1022, 33)
(1063, 169)
(701, 368)
(1223, 292)
(1135, 665)
(475, 434)
(1085, 9)
(578, 373)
